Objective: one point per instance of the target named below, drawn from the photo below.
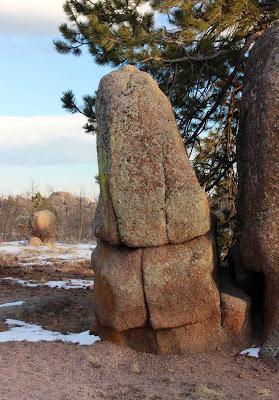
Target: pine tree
(197, 58)
(39, 202)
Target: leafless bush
(8, 260)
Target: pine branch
(249, 41)
(188, 57)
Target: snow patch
(21, 331)
(22, 282)
(71, 284)
(13, 304)
(64, 284)
(43, 255)
(251, 352)
(12, 247)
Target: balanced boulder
(156, 285)
(149, 193)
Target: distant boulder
(43, 225)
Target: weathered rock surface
(105, 223)
(43, 225)
(236, 315)
(150, 195)
(179, 284)
(156, 286)
(198, 337)
(258, 168)
(139, 339)
(118, 292)
(165, 300)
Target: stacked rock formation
(258, 164)
(156, 285)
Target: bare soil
(54, 309)
(58, 371)
(53, 371)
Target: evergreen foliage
(39, 202)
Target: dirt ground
(59, 371)
(53, 371)
(54, 309)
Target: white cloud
(45, 140)
(27, 17)
(36, 17)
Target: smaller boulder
(236, 316)
(35, 241)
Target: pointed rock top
(129, 68)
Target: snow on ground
(22, 282)
(43, 255)
(21, 331)
(252, 352)
(13, 248)
(64, 284)
(13, 304)
(71, 284)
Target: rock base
(166, 300)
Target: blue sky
(38, 140)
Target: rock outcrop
(258, 168)
(156, 286)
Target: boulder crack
(145, 299)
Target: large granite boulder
(150, 195)
(156, 286)
(258, 168)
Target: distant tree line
(74, 214)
